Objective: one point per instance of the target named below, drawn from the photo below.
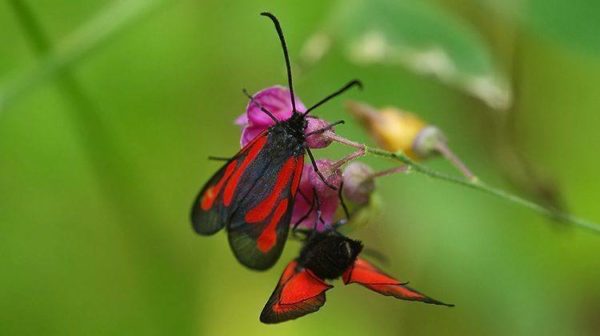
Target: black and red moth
(253, 194)
(327, 256)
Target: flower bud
(319, 139)
(397, 130)
(358, 183)
(427, 142)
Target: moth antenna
(314, 164)
(380, 257)
(285, 55)
(348, 85)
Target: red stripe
(268, 237)
(211, 193)
(303, 286)
(235, 179)
(264, 208)
(297, 174)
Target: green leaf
(575, 24)
(417, 35)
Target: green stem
(475, 184)
(481, 186)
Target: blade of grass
(118, 176)
(83, 42)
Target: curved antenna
(286, 56)
(348, 85)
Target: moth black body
(328, 254)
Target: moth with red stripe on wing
(253, 194)
(325, 256)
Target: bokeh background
(109, 110)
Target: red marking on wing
(288, 272)
(297, 174)
(303, 286)
(235, 178)
(367, 275)
(211, 193)
(264, 208)
(299, 292)
(364, 273)
(268, 237)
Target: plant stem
(395, 170)
(446, 152)
(474, 184)
(481, 186)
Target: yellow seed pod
(393, 129)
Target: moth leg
(262, 108)
(326, 128)
(342, 202)
(314, 164)
(295, 229)
(319, 217)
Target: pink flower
(276, 99)
(328, 198)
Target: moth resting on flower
(253, 195)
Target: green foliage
(420, 36)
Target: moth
(326, 256)
(252, 195)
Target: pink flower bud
(320, 139)
(358, 183)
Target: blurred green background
(109, 110)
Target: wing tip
(437, 302)
(268, 316)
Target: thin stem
(350, 157)
(395, 170)
(446, 152)
(345, 141)
(473, 184)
